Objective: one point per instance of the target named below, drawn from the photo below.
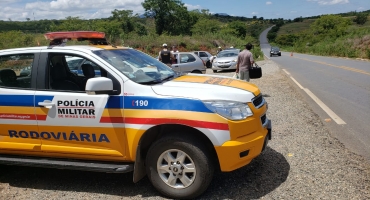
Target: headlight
(229, 109)
(235, 60)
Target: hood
(225, 59)
(208, 87)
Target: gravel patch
(302, 161)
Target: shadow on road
(262, 176)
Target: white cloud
(193, 7)
(19, 10)
(60, 9)
(268, 3)
(361, 8)
(254, 13)
(330, 2)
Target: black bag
(255, 72)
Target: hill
(327, 35)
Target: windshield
(275, 48)
(137, 66)
(224, 53)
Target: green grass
(295, 27)
(354, 44)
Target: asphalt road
(343, 87)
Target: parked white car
(225, 60)
(188, 62)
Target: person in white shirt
(174, 49)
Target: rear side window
(16, 70)
(186, 58)
(203, 54)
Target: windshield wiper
(168, 78)
(150, 82)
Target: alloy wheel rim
(176, 169)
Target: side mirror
(99, 85)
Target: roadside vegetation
(343, 35)
(168, 23)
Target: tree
(205, 26)
(361, 18)
(238, 28)
(71, 24)
(332, 25)
(170, 16)
(125, 18)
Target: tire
(208, 64)
(214, 71)
(193, 153)
(196, 72)
(270, 55)
(279, 54)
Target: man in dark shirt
(166, 56)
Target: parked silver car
(225, 60)
(188, 62)
(205, 56)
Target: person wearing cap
(245, 62)
(219, 49)
(166, 56)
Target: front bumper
(241, 151)
(216, 66)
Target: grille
(258, 101)
(263, 119)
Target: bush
(361, 18)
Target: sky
(20, 10)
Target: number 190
(141, 103)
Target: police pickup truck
(125, 112)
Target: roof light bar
(75, 35)
(61, 38)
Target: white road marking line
(296, 82)
(326, 109)
(286, 71)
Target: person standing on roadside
(174, 49)
(245, 62)
(166, 56)
(219, 49)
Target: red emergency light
(60, 38)
(74, 35)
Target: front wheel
(179, 168)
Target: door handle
(175, 66)
(47, 104)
